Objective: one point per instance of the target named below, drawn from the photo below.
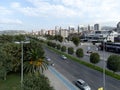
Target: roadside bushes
(51, 44)
(63, 48)
(70, 50)
(94, 58)
(58, 46)
(113, 63)
(34, 82)
(79, 52)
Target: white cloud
(4, 11)
(10, 21)
(15, 5)
(95, 10)
(44, 9)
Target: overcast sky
(46, 14)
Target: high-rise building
(57, 28)
(89, 27)
(78, 29)
(71, 29)
(81, 28)
(96, 27)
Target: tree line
(33, 60)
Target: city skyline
(46, 14)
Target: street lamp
(22, 42)
(104, 63)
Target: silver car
(82, 85)
(48, 59)
(64, 57)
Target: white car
(48, 59)
(82, 85)
(64, 57)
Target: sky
(46, 14)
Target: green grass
(12, 82)
(107, 72)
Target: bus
(110, 46)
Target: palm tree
(35, 62)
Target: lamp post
(104, 63)
(22, 42)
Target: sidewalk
(55, 82)
(58, 81)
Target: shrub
(79, 52)
(58, 47)
(70, 50)
(76, 40)
(34, 82)
(113, 63)
(63, 48)
(94, 58)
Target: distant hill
(12, 32)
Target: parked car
(89, 52)
(82, 84)
(64, 57)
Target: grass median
(107, 72)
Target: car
(82, 84)
(48, 59)
(89, 52)
(64, 57)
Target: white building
(102, 35)
(63, 33)
(111, 36)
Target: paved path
(58, 81)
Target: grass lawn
(12, 82)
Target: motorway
(72, 71)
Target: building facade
(96, 27)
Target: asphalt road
(72, 71)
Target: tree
(58, 47)
(70, 50)
(5, 64)
(113, 63)
(63, 48)
(34, 58)
(49, 37)
(6, 38)
(14, 50)
(79, 52)
(34, 82)
(76, 40)
(19, 38)
(54, 45)
(94, 58)
(58, 37)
